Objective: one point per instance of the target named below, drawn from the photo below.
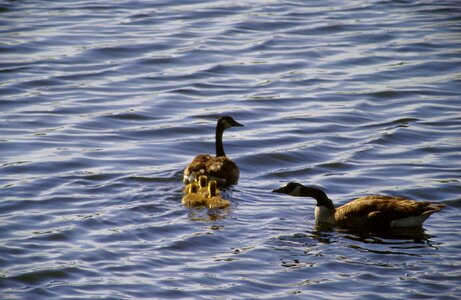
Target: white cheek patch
(296, 191)
(226, 124)
(323, 215)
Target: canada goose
(192, 198)
(213, 200)
(219, 167)
(369, 212)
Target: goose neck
(319, 195)
(218, 140)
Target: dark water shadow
(415, 234)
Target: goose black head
(291, 188)
(228, 122)
(299, 190)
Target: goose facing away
(374, 212)
(219, 167)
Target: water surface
(103, 104)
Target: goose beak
(237, 124)
(282, 190)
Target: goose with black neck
(373, 212)
(220, 168)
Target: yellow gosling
(202, 184)
(186, 188)
(203, 187)
(192, 198)
(214, 201)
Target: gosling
(213, 200)
(192, 198)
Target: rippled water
(103, 104)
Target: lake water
(104, 103)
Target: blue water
(103, 104)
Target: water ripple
(104, 104)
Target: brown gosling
(374, 212)
(192, 198)
(219, 167)
(213, 200)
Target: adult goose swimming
(219, 167)
(374, 212)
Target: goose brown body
(372, 212)
(380, 211)
(222, 169)
(219, 167)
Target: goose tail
(433, 207)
